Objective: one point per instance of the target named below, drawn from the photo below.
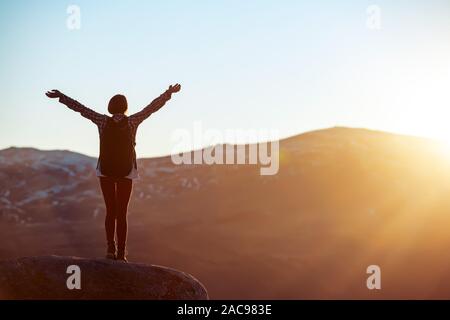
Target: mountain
(343, 199)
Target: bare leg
(108, 187)
(124, 188)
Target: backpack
(117, 154)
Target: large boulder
(47, 277)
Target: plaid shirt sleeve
(154, 106)
(90, 114)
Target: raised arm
(90, 114)
(155, 105)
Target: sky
(284, 66)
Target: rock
(46, 278)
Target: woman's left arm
(86, 112)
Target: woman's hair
(118, 104)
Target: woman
(116, 166)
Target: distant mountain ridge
(343, 199)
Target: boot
(122, 255)
(111, 252)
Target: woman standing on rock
(116, 166)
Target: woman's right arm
(90, 114)
(154, 106)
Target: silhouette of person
(116, 166)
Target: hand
(53, 94)
(175, 88)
